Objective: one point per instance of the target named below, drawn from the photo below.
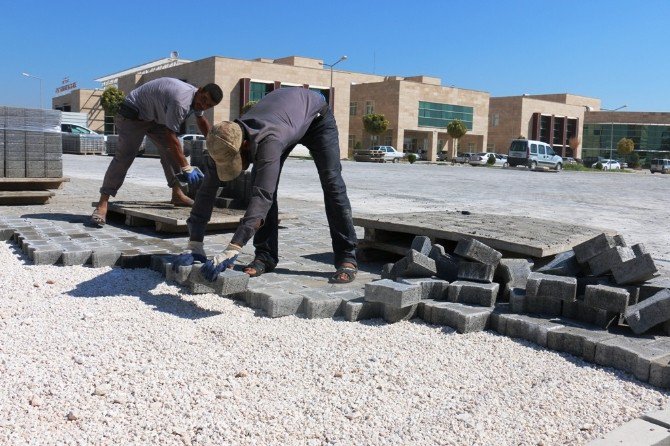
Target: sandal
(348, 272)
(98, 219)
(259, 266)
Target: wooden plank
(16, 184)
(520, 235)
(25, 197)
(169, 218)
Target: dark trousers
(322, 140)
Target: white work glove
(211, 269)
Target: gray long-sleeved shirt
(272, 126)
(166, 101)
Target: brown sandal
(259, 266)
(98, 219)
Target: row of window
(257, 90)
(645, 137)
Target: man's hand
(194, 253)
(211, 269)
(193, 175)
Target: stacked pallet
(30, 154)
(83, 144)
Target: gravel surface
(111, 356)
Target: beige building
(417, 107)
(556, 119)
(86, 101)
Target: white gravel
(111, 356)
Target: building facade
(556, 119)
(419, 109)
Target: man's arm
(203, 125)
(175, 149)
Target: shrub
(491, 160)
(634, 160)
(598, 166)
(411, 157)
(111, 100)
(358, 145)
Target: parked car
(187, 140)
(659, 165)
(463, 158)
(480, 159)
(533, 154)
(390, 153)
(609, 164)
(76, 129)
(501, 160)
(569, 160)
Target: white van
(660, 165)
(533, 154)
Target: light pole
(331, 74)
(609, 163)
(39, 79)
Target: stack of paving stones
(30, 143)
(83, 144)
(111, 144)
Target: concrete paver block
(319, 305)
(512, 273)
(465, 292)
(414, 264)
(530, 328)
(463, 318)
(75, 256)
(227, 282)
(620, 352)
(479, 272)
(545, 305)
(47, 255)
(563, 264)
(394, 294)
(436, 289)
(639, 249)
(360, 309)
(653, 286)
(577, 341)
(659, 372)
(582, 312)
(393, 315)
(422, 244)
(637, 269)
(592, 247)
(650, 312)
(607, 298)
(105, 257)
(477, 251)
(517, 300)
(603, 262)
(280, 305)
(386, 271)
(635, 432)
(555, 287)
(158, 262)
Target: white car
(390, 153)
(610, 164)
(480, 159)
(501, 160)
(76, 129)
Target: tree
(573, 143)
(625, 146)
(456, 129)
(111, 100)
(375, 123)
(247, 106)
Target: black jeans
(322, 140)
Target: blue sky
(613, 50)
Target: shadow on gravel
(120, 282)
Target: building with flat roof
(552, 118)
(418, 107)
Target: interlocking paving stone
(395, 294)
(607, 298)
(422, 244)
(653, 311)
(477, 251)
(637, 269)
(360, 309)
(479, 272)
(605, 261)
(513, 273)
(431, 288)
(592, 247)
(464, 292)
(463, 318)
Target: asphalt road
(634, 204)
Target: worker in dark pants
(157, 109)
(264, 136)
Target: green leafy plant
(247, 106)
(111, 100)
(634, 161)
(358, 145)
(491, 159)
(411, 157)
(598, 166)
(625, 146)
(456, 129)
(375, 123)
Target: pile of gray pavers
(79, 144)
(30, 143)
(601, 301)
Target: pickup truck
(379, 154)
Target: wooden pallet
(28, 190)
(166, 217)
(515, 236)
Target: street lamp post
(331, 74)
(39, 79)
(609, 163)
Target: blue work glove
(194, 253)
(211, 269)
(193, 175)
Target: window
(496, 119)
(541, 150)
(257, 90)
(353, 108)
(369, 107)
(352, 141)
(550, 151)
(432, 114)
(533, 149)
